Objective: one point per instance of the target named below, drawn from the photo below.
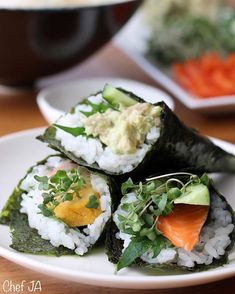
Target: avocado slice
(196, 195)
(116, 98)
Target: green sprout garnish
(101, 108)
(77, 131)
(95, 108)
(63, 186)
(93, 202)
(153, 199)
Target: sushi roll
(58, 208)
(175, 221)
(122, 135)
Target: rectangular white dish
(132, 41)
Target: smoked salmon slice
(183, 225)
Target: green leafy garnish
(135, 249)
(162, 202)
(43, 182)
(205, 180)
(80, 131)
(158, 244)
(62, 186)
(77, 131)
(44, 210)
(93, 202)
(127, 186)
(140, 215)
(139, 246)
(101, 108)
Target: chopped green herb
(162, 202)
(127, 186)
(43, 182)
(45, 211)
(77, 131)
(205, 180)
(68, 197)
(136, 227)
(43, 179)
(150, 187)
(101, 108)
(46, 198)
(93, 202)
(158, 244)
(174, 193)
(121, 217)
(149, 219)
(135, 249)
(125, 206)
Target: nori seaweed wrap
(120, 134)
(172, 222)
(59, 208)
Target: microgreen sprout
(153, 198)
(169, 175)
(60, 187)
(96, 108)
(93, 202)
(174, 180)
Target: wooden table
(19, 111)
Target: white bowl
(55, 100)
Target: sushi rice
(215, 235)
(55, 230)
(214, 238)
(92, 150)
(118, 133)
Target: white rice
(91, 149)
(214, 238)
(54, 230)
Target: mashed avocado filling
(125, 130)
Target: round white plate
(55, 100)
(17, 153)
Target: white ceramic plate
(132, 40)
(18, 152)
(55, 100)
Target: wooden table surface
(18, 111)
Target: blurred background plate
(55, 100)
(133, 41)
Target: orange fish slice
(183, 225)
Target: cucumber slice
(196, 195)
(116, 98)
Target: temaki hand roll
(58, 208)
(122, 135)
(175, 221)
